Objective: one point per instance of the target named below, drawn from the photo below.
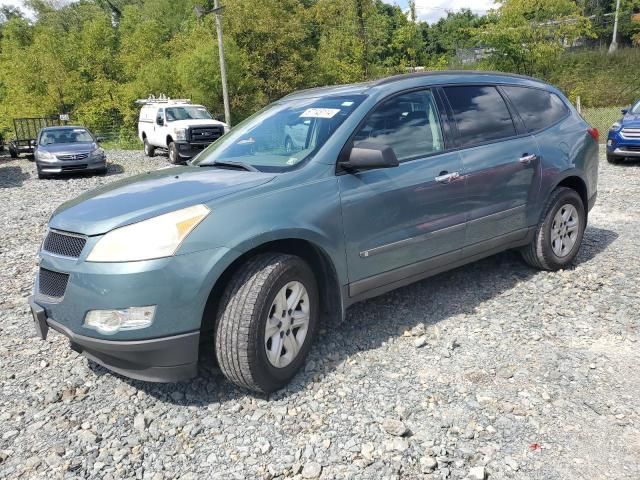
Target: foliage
(94, 58)
(528, 36)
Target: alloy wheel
(565, 230)
(287, 325)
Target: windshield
(636, 108)
(282, 135)
(187, 113)
(65, 135)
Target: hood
(194, 123)
(60, 148)
(631, 120)
(144, 196)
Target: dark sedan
(68, 149)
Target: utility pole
(223, 68)
(614, 42)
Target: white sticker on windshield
(346, 104)
(292, 161)
(319, 113)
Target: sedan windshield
(187, 113)
(283, 135)
(65, 135)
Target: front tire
(149, 150)
(174, 156)
(614, 159)
(558, 237)
(267, 321)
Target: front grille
(63, 244)
(206, 134)
(52, 284)
(631, 133)
(76, 156)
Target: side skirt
(400, 277)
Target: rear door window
(408, 123)
(538, 109)
(480, 114)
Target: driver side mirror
(160, 122)
(625, 111)
(99, 139)
(370, 155)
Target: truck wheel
(266, 322)
(174, 156)
(558, 237)
(13, 153)
(149, 150)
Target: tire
(614, 159)
(553, 246)
(42, 176)
(174, 156)
(13, 153)
(249, 303)
(149, 150)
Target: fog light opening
(109, 322)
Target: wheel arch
(169, 140)
(318, 259)
(576, 182)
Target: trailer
(26, 131)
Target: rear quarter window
(538, 109)
(480, 114)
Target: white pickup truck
(178, 126)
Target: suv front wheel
(558, 237)
(267, 321)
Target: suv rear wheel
(267, 321)
(558, 237)
(149, 150)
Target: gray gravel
(492, 371)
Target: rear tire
(13, 153)
(149, 150)
(174, 155)
(614, 159)
(558, 236)
(266, 322)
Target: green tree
(528, 36)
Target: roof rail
(161, 99)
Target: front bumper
(70, 166)
(167, 359)
(191, 149)
(621, 146)
(178, 286)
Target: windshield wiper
(237, 165)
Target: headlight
(181, 133)
(97, 153)
(227, 129)
(616, 126)
(44, 155)
(157, 237)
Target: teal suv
(259, 239)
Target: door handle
(527, 159)
(447, 177)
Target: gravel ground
(492, 370)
